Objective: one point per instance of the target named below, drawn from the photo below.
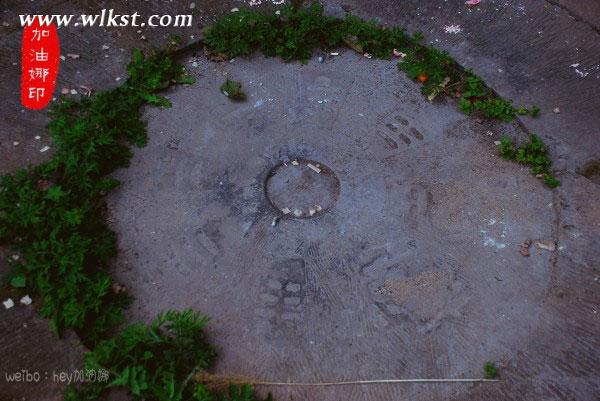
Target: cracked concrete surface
(416, 270)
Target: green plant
(489, 370)
(155, 362)
(233, 90)
(53, 214)
(533, 154)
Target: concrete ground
(416, 270)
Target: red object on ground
(40, 58)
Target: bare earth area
(410, 265)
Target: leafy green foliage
(489, 370)
(233, 90)
(155, 362)
(533, 154)
(53, 214)
(298, 31)
(477, 97)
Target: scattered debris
(548, 245)
(44, 149)
(88, 90)
(105, 47)
(118, 288)
(319, 208)
(314, 168)
(286, 210)
(73, 56)
(274, 222)
(26, 300)
(472, 3)
(582, 74)
(297, 212)
(453, 29)
(398, 53)
(311, 211)
(525, 247)
(8, 303)
(295, 162)
(556, 110)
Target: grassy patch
(233, 90)
(532, 154)
(489, 370)
(297, 32)
(53, 214)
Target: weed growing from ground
(532, 154)
(489, 370)
(233, 90)
(298, 31)
(53, 214)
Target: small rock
(26, 300)
(8, 303)
(295, 162)
(286, 210)
(319, 208)
(37, 137)
(278, 12)
(548, 245)
(297, 212)
(44, 149)
(15, 143)
(556, 110)
(143, 37)
(235, 10)
(117, 79)
(311, 211)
